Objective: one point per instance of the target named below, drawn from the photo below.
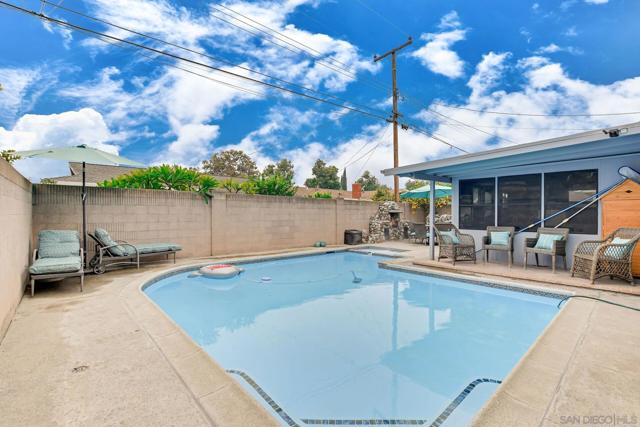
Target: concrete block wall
(227, 224)
(15, 250)
(139, 216)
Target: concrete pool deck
(109, 356)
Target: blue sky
(64, 88)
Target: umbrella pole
(84, 215)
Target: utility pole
(395, 115)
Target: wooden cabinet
(621, 208)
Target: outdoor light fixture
(615, 132)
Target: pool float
(220, 271)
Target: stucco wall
(228, 224)
(15, 223)
(607, 176)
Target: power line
(179, 58)
(205, 55)
(505, 113)
(106, 38)
(387, 20)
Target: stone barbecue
(387, 224)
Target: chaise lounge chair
(609, 257)
(454, 245)
(59, 255)
(109, 252)
(548, 241)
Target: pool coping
(220, 396)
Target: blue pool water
(396, 346)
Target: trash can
(352, 237)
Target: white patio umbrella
(84, 154)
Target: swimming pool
(316, 346)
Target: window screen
(519, 200)
(476, 207)
(563, 189)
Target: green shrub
(271, 185)
(165, 177)
(321, 195)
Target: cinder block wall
(15, 226)
(227, 224)
(143, 216)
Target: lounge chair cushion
(58, 243)
(616, 252)
(105, 239)
(545, 241)
(452, 235)
(67, 264)
(149, 248)
(500, 238)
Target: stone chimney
(356, 191)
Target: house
(94, 174)
(522, 184)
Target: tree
(368, 181)
(284, 167)
(343, 180)
(324, 176)
(412, 184)
(165, 177)
(233, 163)
(9, 155)
(382, 194)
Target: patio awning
(594, 145)
(423, 192)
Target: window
(477, 203)
(519, 199)
(563, 189)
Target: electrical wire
(179, 58)
(104, 37)
(506, 113)
(205, 55)
(387, 20)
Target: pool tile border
(486, 282)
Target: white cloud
(571, 32)
(436, 54)
(596, 1)
(63, 32)
(547, 90)
(33, 131)
(21, 89)
(554, 48)
(194, 143)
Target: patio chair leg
(510, 257)
(553, 263)
(537, 262)
(564, 262)
(33, 286)
(82, 283)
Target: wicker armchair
(558, 248)
(418, 232)
(488, 246)
(598, 258)
(464, 250)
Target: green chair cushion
(617, 252)
(147, 248)
(105, 239)
(500, 238)
(545, 241)
(452, 235)
(58, 243)
(68, 264)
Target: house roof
(93, 173)
(587, 145)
